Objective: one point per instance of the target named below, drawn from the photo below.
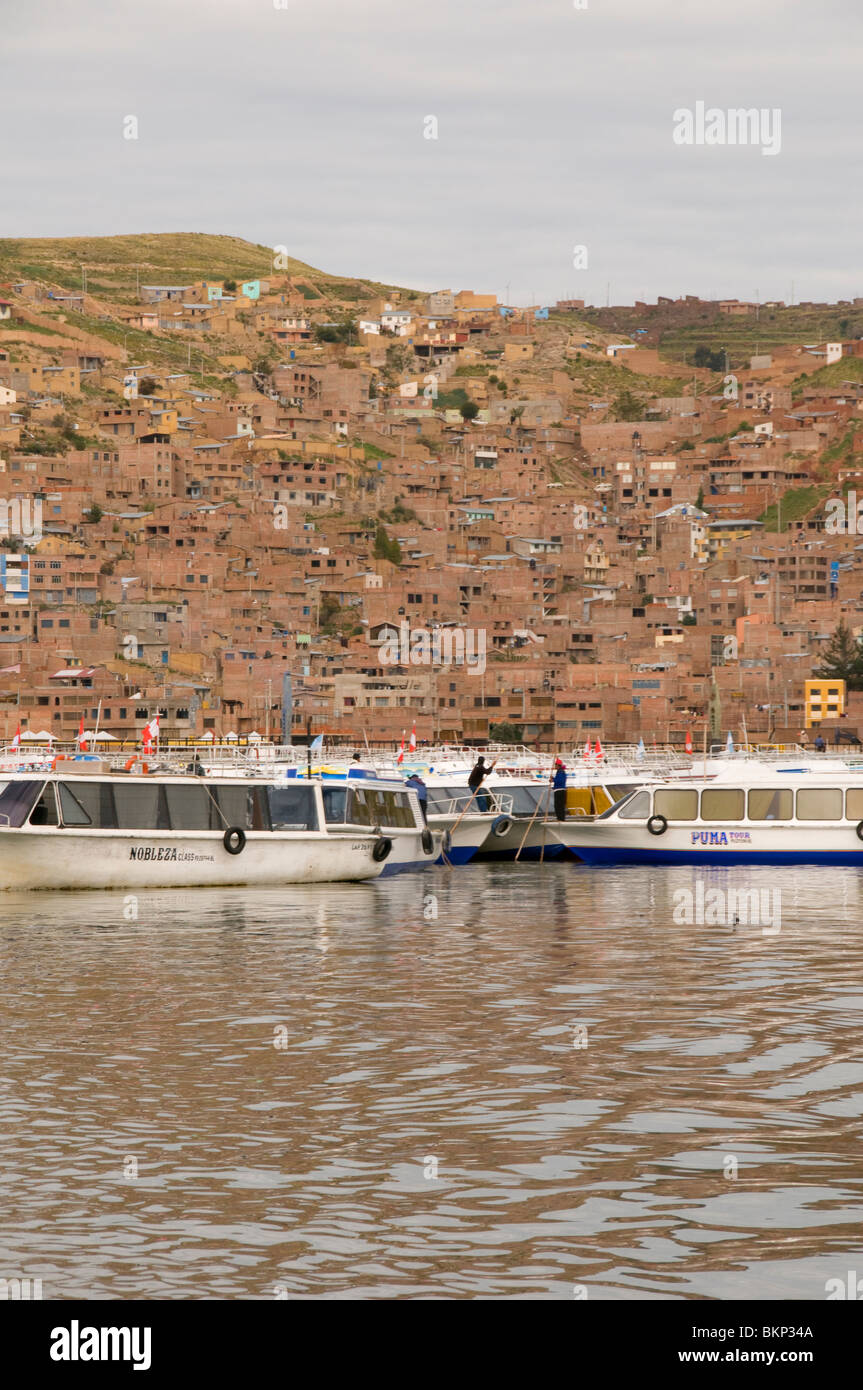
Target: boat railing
(493, 804)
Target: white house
(396, 321)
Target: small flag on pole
(16, 742)
(81, 741)
(598, 751)
(413, 743)
(639, 752)
(401, 756)
(688, 744)
(316, 743)
(729, 743)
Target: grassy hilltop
(175, 258)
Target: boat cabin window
(372, 806)
(240, 806)
(722, 803)
(771, 803)
(819, 803)
(854, 803)
(45, 810)
(294, 808)
(676, 803)
(636, 808)
(140, 806)
(16, 802)
(89, 804)
(335, 804)
(191, 808)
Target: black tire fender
(657, 825)
(234, 839)
(427, 841)
(501, 825)
(860, 830)
(381, 849)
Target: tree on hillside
(469, 410)
(627, 406)
(386, 549)
(843, 659)
(705, 357)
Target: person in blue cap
(422, 792)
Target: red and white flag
(401, 756)
(81, 741)
(598, 751)
(587, 751)
(413, 743)
(16, 742)
(150, 732)
(688, 744)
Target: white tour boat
(752, 814)
(355, 803)
(79, 828)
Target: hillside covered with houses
(233, 484)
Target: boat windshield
(16, 802)
(450, 798)
(292, 808)
(335, 804)
(526, 799)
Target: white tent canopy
(31, 736)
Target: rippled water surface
(287, 1070)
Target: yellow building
(824, 700)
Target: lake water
(549, 1089)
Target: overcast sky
(304, 126)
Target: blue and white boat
(356, 803)
(751, 814)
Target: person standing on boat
(422, 792)
(819, 744)
(478, 772)
(558, 781)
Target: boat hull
(407, 855)
(65, 859)
(467, 833)
(618, 843)
(540, 843)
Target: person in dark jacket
(422, 792)
(478, 772)
(558, 781)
